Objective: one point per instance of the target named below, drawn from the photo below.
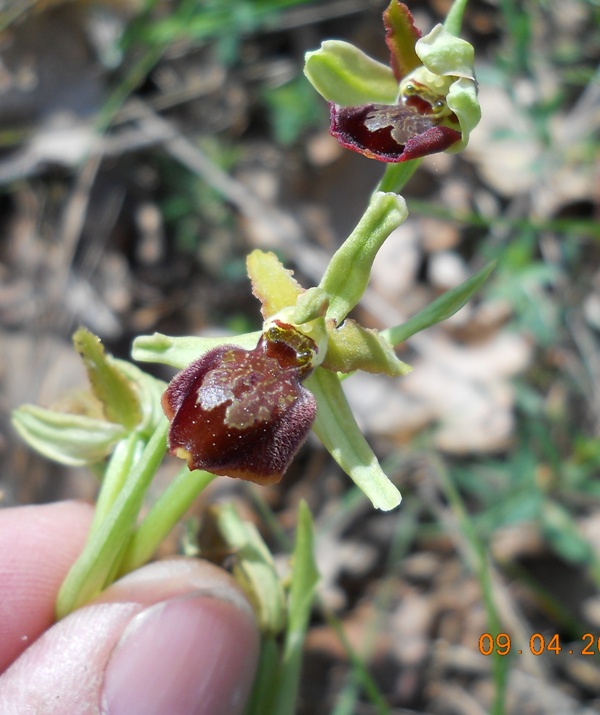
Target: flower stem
(396, 176)
(100, 557)
(453, 22)
(163, 516)
(115, 476)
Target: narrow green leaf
(305, 577)
(441, 308)
(336, 427)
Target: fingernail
(190, 654)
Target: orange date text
(501, 644)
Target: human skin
(176, 636)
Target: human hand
(175, 637)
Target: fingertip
(38, 545)
(192, 653)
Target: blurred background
(146, 146)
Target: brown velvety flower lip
(241, 413)
(391, 133)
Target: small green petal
(74, 440)
(462, 100)
(336, 427)
(349, 270)
(345, 75)
(446, 55)
(352, 347)
(179, 352)
(272, 284)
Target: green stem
(453, 23)
(98, 561)
(396, 176)
(265, 682)
(163, 516)
(304, 579)
(115, 476)
(500, 665)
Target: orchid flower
(423, 103)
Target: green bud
(253, 568)
(348, 273)
(72, 439)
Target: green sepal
(253, 568)
(109, 385)
(441, 308)
(336, 427)
(352, 347)
(72, 439)
(343, 74)
(349, 270)
(149, 390)
(401, 36)
(179, 352)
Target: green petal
(336, 427)
(345, 75)
(180, 352)
(74, 440)
(446, 55)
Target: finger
(38, 545)
(175, 637)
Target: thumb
(174, 637)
